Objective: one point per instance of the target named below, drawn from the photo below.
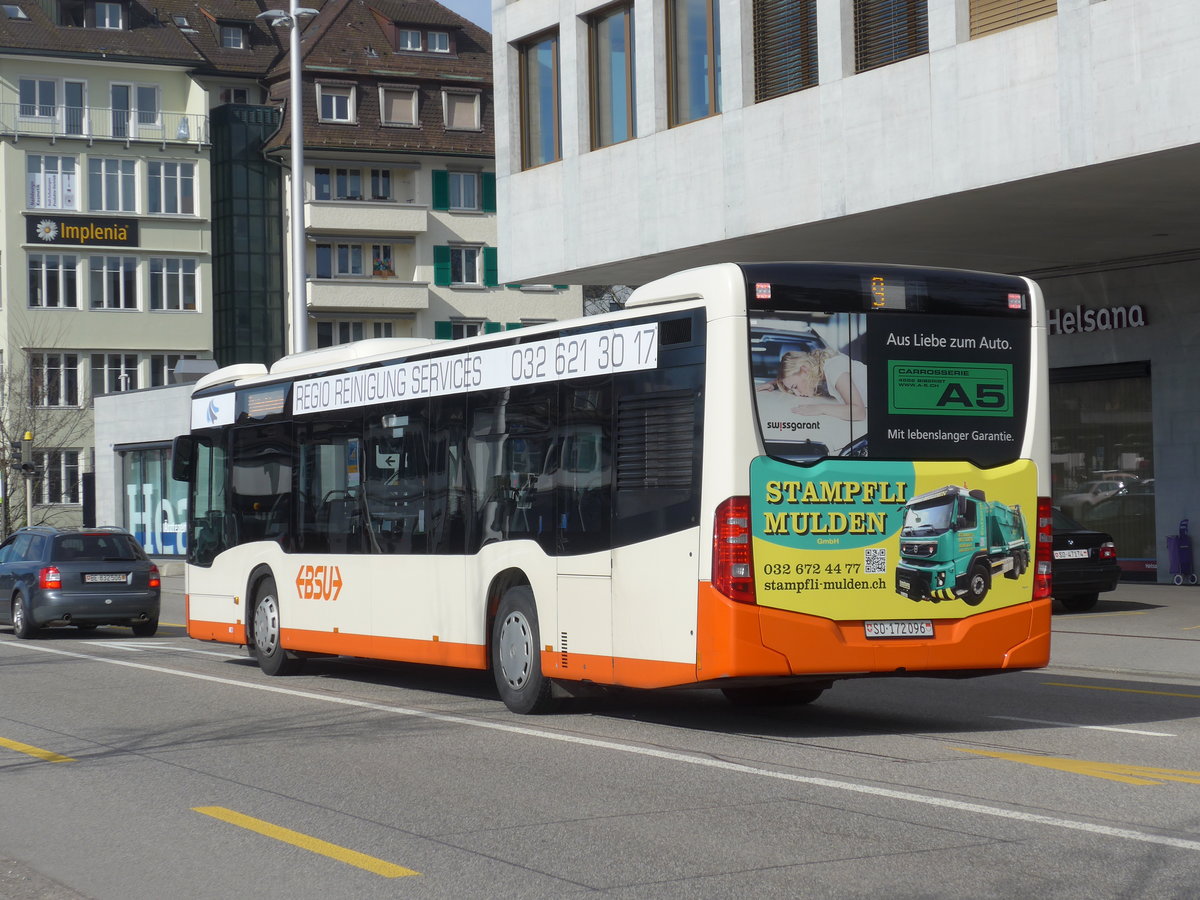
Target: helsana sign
(1082, 319)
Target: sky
(478, 11)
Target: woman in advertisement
(824, 378)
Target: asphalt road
(164, 767)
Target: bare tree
(42, 394)
(602, 298)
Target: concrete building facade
(1055, 138)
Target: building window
(887, 31)
(693, 60)
(381, 184)
(60, 482)
(38, 98)
(234, 95)
(113, 373)
(173, 284)
(458, 328)
(381, 261)
(439, 41)
(341, 260)
(54, 379)
(988, 16)
(407, 39)
(335, 103)
(50, 181)
(540, 139)
(13, 11)
(785, 47)
(109, 15)
(330, 334)
(464, 265)
(398, 106)
(464, 190)
(461, 110)
(172, 187)
(233, 37)
(52, 281)
(134, 107)
(610, 45)
(113, 282)
(112, 185)
(163, 364)
(348, 184)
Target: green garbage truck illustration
(953, 542)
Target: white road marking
(1090, 727)
(654, 753)
(136, 647)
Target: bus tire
(516, 654)
(978, 583)
(778, 695)
(268, 649)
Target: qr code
(875, 560)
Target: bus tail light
(50, 578)
(155, 580)
(733, 561)
(1042, 586)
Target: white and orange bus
(760, 478)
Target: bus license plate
(903, 628)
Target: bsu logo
(319, 582)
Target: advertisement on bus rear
(890, 385)
(892, 541)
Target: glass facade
(249, 302)
(153, 505)
(1102, 457)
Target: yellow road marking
(1191, 627)
(304, 842)
(1111, 771)
(47, 755)
(1097, 687)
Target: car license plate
(1070, 554)
(903, 628)
(105, 578)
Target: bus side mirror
(183, 458)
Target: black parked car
(1085, 563)
(80, 577)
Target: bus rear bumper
(738, 640)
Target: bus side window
(396, 476)
(261, 484)
(331, 504)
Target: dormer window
(335, 103)
(233, 37)
(439, 42)
(414, 39)
(109, 15)
(407, 39)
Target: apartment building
(1056, 138)
(399, 178)
(105, 237)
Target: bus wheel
(779, 695)
(272, 658)
(977, 585)
(516, 654)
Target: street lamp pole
(299, 290)
(299, 287)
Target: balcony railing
(98, 123)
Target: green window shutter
(441, 189)
(561, 287)
(513, 326)
(487, 185)
(492, 327)
(441, 265)
(513, 287)
(443, 331)
(490, 276)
